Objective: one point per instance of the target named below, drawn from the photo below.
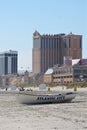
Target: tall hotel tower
(49, 50)
(8, 62)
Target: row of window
(50, 43)
(63, 71)
(64, 82)
(80, 71)
(75, 76)
(80, 77)
(70, 71)
(62, 77)
(53, 43)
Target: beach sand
(63, 116)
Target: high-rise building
(49, 50)
(8, 62)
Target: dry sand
(63, 116)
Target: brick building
(49, 50)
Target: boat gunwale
(44, 94)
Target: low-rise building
(14, 80)
(76, 72)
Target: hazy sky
(20, 18)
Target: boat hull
(45, 98)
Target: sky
(20, 18)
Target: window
(57, 42)
(64, 45)
(76, 76)
(60, 46)
(80, 42)
(77, 71)
(69, 42)
(51, 43)
(85, 71)
(46, 43)
(36, 43)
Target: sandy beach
(63, 116)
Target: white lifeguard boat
(39, 97)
